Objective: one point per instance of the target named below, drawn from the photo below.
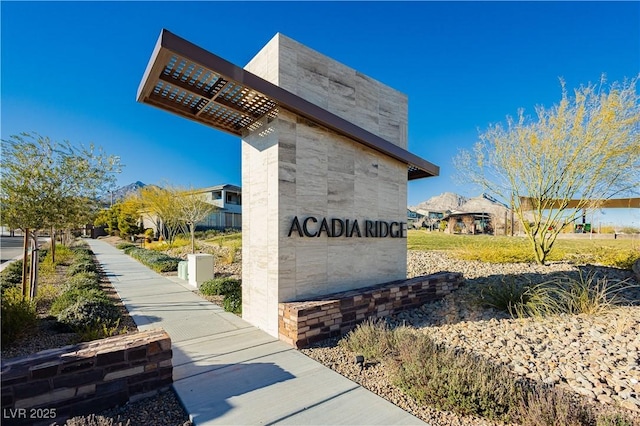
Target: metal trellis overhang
(193, 83)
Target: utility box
(183, 271)
(200, 268)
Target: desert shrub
(230, 288)
(373, 339)
(11, 276)
(89, 312)
(64, 255)
(83, 280)
(74, 295)
(123, 246)
(219, 286)
(453, 380)
(157, 261)
(588, 293)
(232, 301)
(548, 406)
(617, 419)
(81, 251)
(521, 300)
(47, 293)
(99, 330)
(17, 315)
(83, 266)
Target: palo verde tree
(159, 204)
(192, 209)
(47, 184)
(586, 148)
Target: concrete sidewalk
(228, 372)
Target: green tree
(159, 204)
(47, 184)
(192, 209)
(585, 148)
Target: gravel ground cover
(597, 357)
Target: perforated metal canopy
(196, 84)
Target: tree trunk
(53, 245)
(34, 267)
(25, 264)
(193, 238)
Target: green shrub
(89, 312)
(83, 280)
(219, 286)
(73, 296)
(85, 266)
(18, 315)
(64, 255)
(11, 275)
(521, 300)
(124, 245)
(548, 406)
(100, 330)
(588, 293)
(157, 261)
(81, 251)
(452, 379)
(618, 419)
(373, 339)
(230, 288)
(232, 301)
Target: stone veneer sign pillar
(324, 166)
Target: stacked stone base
(56, 384)
(305, 322)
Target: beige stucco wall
(293, 168)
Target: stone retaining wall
(305, 322)
(85, 378)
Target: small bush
(64, 255)
(47, 293)
(18, 315)
(85, 266)
(83, 281)
(230, 288)
(588, 293)
(613, 420)
(232, 301)
(219, 286)
(521, 300)
(81, 251)
(373, 339)
(549, 406)
(73, 296)
(99, 331)
(124, 246)
(157, 261)
(89, 312)
(11, 275)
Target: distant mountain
(120, 193)
(441, 203)
(454, 202)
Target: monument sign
(324, 165)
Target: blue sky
(70, 70)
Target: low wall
(305, 322)
(86, 378)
